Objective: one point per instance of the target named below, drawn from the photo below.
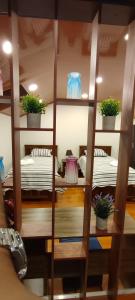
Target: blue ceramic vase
(2, 171)
(74, 86)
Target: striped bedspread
(104, 174)
(36, 173)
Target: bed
(36, 173)
(105, 172)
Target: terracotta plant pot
(33, 120)
(101, 223)
(108, 122)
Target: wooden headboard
(28, 148)
(107, 149)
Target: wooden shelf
(60, 182)
(73, 250)
(129, 225)
(5, 97)
(76, 102)
(5, 100)
(68, 223)
(112, 228)
(36, 230)
(32, 129)
(109, 131)
(36, 223)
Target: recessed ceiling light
(85, 96)
(33, 87)
(126, 37)
(99, 79)
(7, 47)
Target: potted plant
(103, 207)
(109, 109)
(34, 107)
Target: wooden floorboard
(72, 197)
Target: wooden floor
(72, 197)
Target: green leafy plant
(33, 104)
(103, 205)
(109, 107)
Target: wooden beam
(91, 121)
(128, 103)
(3, 7)
(118, 13)
(124, 158)
(15, 111)
(5, 100)
(54, 152)
(37, 9)
(90, 146)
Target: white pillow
(41, 152)
(114, 163)
(28, 161)
(97, 152)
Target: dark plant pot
(108, 122)
(33, 120)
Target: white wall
(5, 141)
(71, 131)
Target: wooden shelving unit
(5, 100)
(110, 131)
(75, 102)
(33, 129)
(44, 226)
(37, 231)
(75, 250)
(112, 229)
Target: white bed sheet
(36, 174)
(104, 173)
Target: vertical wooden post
(124, 156)
(91, 124)
(54, 143)
(126, 125)
(15, 112)
(90, 143)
